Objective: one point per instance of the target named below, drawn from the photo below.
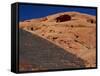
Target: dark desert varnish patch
(63, 18)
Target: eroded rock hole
(54, 38)
(62, 41)
(32, 29)
(76, 40)
(72, 26)
(51, 31)
(77, 36)
(91, 21)
(42, 34)
(63, 18)
(60, 32)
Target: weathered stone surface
(75, 34)
(36, 53)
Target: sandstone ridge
(73, 31)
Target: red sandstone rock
(73, 31)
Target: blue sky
(29, 11)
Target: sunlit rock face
(73, 31)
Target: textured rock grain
(75, 34)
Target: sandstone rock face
(73, 31)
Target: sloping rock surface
(73, 31)
(37, 53)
